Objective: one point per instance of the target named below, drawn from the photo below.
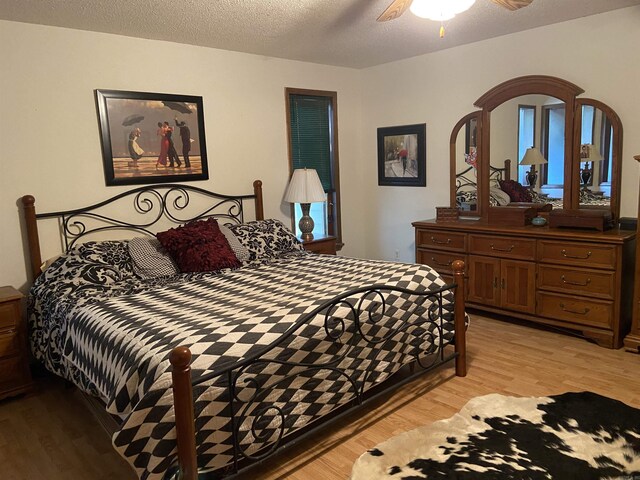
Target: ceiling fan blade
(512, 4)
(394, 10)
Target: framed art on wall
(402, 155)
(151, 137)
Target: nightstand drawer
(441, 240)
(503, 247)
(576, 310)
(579, 254)
(10, 370)
(9, 343)
(9, 315)
(581, 282)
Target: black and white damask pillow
(266, 238)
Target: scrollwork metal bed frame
(495, 174)
(365, 306)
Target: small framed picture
(151, 137)
(402, 155)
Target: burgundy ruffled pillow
(199, 246)
(516, 192)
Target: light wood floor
(51, 435)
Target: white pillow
(500, 195)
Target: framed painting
(402, 155)
(151, 137)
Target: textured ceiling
(331, 32)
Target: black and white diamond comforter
(115, 343)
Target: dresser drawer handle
(442, 264)
(564, 254)
(577, 284)
(584, 312)
(437, 242)
(508, 249)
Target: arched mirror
(539, 143)
(463, 146)
(529, 131)
(599, 136)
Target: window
(588, 124)
(553, 144)
(526, 137)
(312, 124)
(606, 139)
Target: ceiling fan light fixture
(439, 10)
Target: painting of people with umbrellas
(151, 137)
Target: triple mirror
(535, 141)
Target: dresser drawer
(578, 281)
(503, 247)
(580, 254)
(576, 310)
(9, 315)
(435, 239)
(9, 343)
(438, 260)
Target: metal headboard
(464, 179)
(151, 204)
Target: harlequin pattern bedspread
(114, 341)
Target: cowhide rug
(579, 436)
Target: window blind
(310, 118)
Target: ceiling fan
(398, 7)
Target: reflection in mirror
(465, 151)
(596, 160)
(531, 130)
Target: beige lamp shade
(305, 187)
(533, 157)
(590, 153)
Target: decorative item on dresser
(632, 341)
(575, 279)
(15, 377)
(325, 245)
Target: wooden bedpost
(507, 169)
(459, 320)
(257, 191)
(180, 358)
(35, 257)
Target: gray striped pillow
(241, 252)
(150, 259)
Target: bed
(211, 373)
(503, 190)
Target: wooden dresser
(632, 341)
(576, 279)
(15, 377)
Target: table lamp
(305, 188)
(588, 153)
(532, 157)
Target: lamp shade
(590, 153)
(305, 187)
(439, 10)
(533, 157)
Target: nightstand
(325, 245)
(15, 377)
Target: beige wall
(48, 123)
(51, 147)
(598, 53)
